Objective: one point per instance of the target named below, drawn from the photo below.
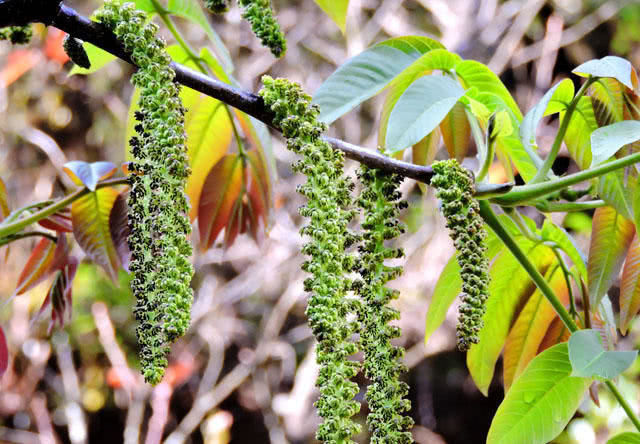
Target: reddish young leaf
(259, 138)
(61, 221)
(119, 228)
(4, 201)
(258, 199)
(59, 296)
(37, 266)
(556, 333)
(4, 353)
(456, 132)
(219, 195)
(529, 330)
(611, 236)
(53, 47)
(630, 286)
(19, 62)
(90, 217)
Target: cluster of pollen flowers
(385, 395)
(264, 25)
(331, 312)
(216, 6)
(158, 207)
(454, 187)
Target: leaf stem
(494, 223)
(564, 125)
(18, 236)
(529, 192)
(561, 207)
(17, 226)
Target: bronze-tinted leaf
(119, 228)
(630, 286)
(556, 333)
(90, 217)
(4, 353)
(610, 238)
(456, 132)
(60, 221)
(37, 266)
(4, 201)
(218, 199)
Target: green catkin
(158, 205)
(454, 186)
(74, 49)
(385, 395)
(216, 6)
(264, 25)
(18, 35)
(330, 311)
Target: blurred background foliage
(245, 371)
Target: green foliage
(18, 35)
(264, 25)
(158, 205)
(75, 51)
(217, 6)
(590, 359)
(454, 187)
(385, 395)
(328, 207)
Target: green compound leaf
(610, 66)
(578, 136)
(608, 100)
(554, 233)
(90, 218)
(625, 438)
(509, 288)
(337, 10)
(541, 402)
(589, 358)
(366, 74)
(89, 174)
(439, 59)
(606, 141)
(616, 188)
(611, 236)
(561, 93)
(420, 109)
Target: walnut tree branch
(68, 20)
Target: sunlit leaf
(527, 333)
(541, 402)
(625, 438)
(99, 58)
(119, 228)
(616, 188)
(607, 96)
(590, 359)
(554, 233)
(630, 286)
(611, 236)
(456, 132)
(610, 66)
(4, 201)
(219, 195)
(578, 136)
(509, 288)
(89, 174)
(606, 141)
(90, 217)
(561, 92)
(366, 74)
(4, 353)
(337, 10)
(191, 10)
(436, 59)
(420, 109)
(37, 266)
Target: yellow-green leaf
(578, 136)
(541, 402)
(456, 132)
(90, 218)
(611, 236)
(509, 288)
(337, 10)
(4, 201)
(529, 330)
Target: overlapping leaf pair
(158, 216)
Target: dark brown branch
(69, 21)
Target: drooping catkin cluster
(158, 206)
(454, 186)
(330, 311)
(264, 25)
(385, 395)
(74, 49)
(18, 35)
(217, 6)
